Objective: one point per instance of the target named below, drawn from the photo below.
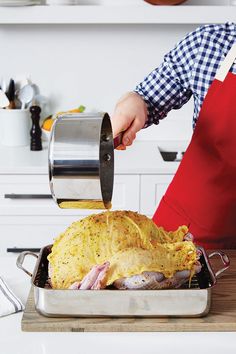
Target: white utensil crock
(15, 127)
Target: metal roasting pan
(187, 301)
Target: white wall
(93, 65)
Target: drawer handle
(27, 196)
(19, 250)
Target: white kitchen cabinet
(126, 192)
(31, 231)
(25, 195)
(30, 195)
(32, 222)
(153, 187)
(139, 184)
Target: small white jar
(15, 127)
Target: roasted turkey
(122, 249)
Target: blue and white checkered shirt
(187, 70)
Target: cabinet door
(153, 187)
(27, 195)
(126, 193)
(30, 195)
(35, 223)
(31, 231)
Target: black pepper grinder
(35, 132)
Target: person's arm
(167, 87)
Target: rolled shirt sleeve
(170, 85)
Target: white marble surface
(143, 157)
(14, 341)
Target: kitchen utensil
(26, 95)
(21, 81)
(3, 85)
(193, 301)
(81, 161)
(11, 94)
(4, 101)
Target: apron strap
(227, 63)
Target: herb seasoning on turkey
(123, 249)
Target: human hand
(129, 116)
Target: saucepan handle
(118, 140)
(21, 258)
(225, 260)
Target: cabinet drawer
(31, 232)
(153, 187)
(30, 195)
(26, 195)
(20, 228)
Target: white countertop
(14, 341)
(143, 157)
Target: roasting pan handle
(225, 261)
(21, 258)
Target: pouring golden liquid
(85, 204)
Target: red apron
(202, 193)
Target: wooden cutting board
(222, 316)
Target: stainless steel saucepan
(81, 161)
